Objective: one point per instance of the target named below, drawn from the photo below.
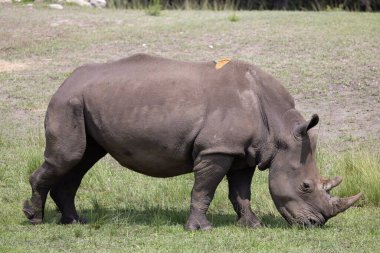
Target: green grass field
(328, 60)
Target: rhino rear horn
(302, 129)
(342, 204)
(331, 183)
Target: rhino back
(152, 114)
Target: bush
(234, 17)
(154, 9)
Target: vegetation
(360, 170)
(233, 17)
(327, 60)
(316, 5)
(154, 8)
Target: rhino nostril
(313, 222)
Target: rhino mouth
(306, 218)
(315, 221)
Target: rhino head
(299, 193)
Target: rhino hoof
(198, 227)
(250, 223)
(194, 225)
(79, 220)
(30, 213)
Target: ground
(328, 60)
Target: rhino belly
(158, 152)
(155, 140)
(154, 164)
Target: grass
(131, 212)
(363, 173)
(360, 170)
(328, 60)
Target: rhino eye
(307, 186)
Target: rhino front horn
(342, 204)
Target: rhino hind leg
(209, 171)
(239, 185)
(33, 208)
(65, 146)
(64, 191)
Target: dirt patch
(6, 66)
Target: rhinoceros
(165, 118)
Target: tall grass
(360, 170)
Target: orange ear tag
(221, 62)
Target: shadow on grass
(271, 221)
(155, 216)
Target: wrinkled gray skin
(164, 118)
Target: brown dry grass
(6, 66)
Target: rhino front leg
(239, 185)
(208, 171)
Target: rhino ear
(301, 130)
